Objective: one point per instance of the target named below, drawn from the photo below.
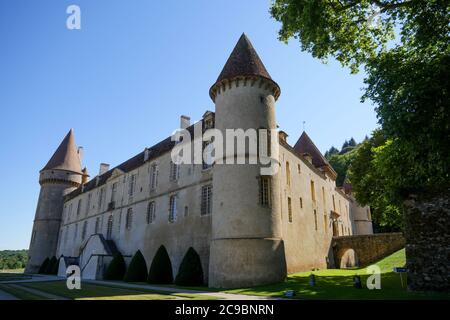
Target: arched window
(151, 212)
(129, 219)
(110, 227)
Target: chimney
(282, 136)
(185, 122)
(104, 167)
(146, 154)
(80, 152)
(85, 176)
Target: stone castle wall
(427, 223)
(367, 248)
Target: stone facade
(147, 201)
(427, 223)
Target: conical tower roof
(66, 156)
(243, 62)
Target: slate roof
(66, 156)
(155, 151)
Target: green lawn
(338, 284)
(10, 276)
(101, 292)
(20, 293)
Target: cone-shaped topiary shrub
(116, 268)
(44, 265)
(137, 270)
(190, 272)
(50, 265)
(161, 268)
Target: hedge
(190, 272)
(116, 268)
(137, 270)
(161, 268)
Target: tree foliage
(404, 47)
(13, 259)
(370, 181)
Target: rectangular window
(114, 192)
(299, 169)
(325, 223)
(288, 174)
(324, 201)
(173, 209)
(207, 147)
(315, 219)
(129, 219)
(174, 171)
(79, 207)
(110, 227)
(206, 200)
(83, 232)
(101, 198)
(290, 209)
(334, 204)
(313, 192)
(97, 225)
(88, 205)
(132, 185)
(151, 212)
(301, 203)
(264, 191)
(153, 176)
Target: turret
(246, 246)
(61, 175)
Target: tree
(137, 270)
(408, 79)
(116, 268)
(331, 152)
(190, 272)
(161, 268)
(44, 265)
(371, 182)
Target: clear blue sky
(123, 80)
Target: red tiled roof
(305, 145)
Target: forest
(13, 259)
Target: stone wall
(362, 250)
(427, 232)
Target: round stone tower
(246, 246)
(61, 175)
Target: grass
(338, 284)
(20, 293)
(102, 292)
(13, 276)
